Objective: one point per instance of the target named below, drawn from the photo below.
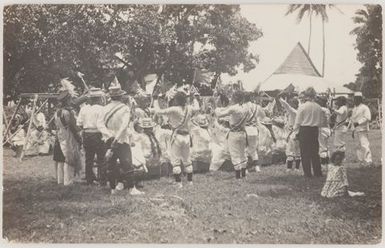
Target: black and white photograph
(184, 123)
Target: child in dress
(337, 181)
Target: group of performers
(125, 136)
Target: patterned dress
(336, 182)
(69, 146)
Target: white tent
(298, 70)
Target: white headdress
(67, 85)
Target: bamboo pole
(29, 128)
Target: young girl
(337, 181)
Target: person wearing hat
(68, 141)
(308, 120)
(146, 145)
(340, 128)
(92, 138)
(113, 124)
(292, 148)
(179, 116)
(236, 137)
(360, 119)
(324, 131)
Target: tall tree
(369, 45)
(302, 10)
(46, 42)
(316, 10)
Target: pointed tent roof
(298, 70)
(298, 62)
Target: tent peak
(298, 62)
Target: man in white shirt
(92, 138)
(236, 138)
(113, 124)
(292, 148)
(360, 119)
(255, 114)
(340, 128)
(179, 117)
(309, 118)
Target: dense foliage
(43, 43)
(369, 45)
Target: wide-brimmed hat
(95, 92)
(201, 121)
(310, 93)
(358, 93)
(266, 121)
(116, 91)
(146, 123)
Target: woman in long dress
(67, 150)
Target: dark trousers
(309, 146)
(122, 172)
(93, 145)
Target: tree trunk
(323, 48)
(310, 29)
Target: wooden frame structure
(35, 97)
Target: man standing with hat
(92, 138)
(113, 124)
(360, 119)
(308, 120)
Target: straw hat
(116, 91)
(358, 93)
(95, 92)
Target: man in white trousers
(179, 117)
(360, 119)
(255, 114)
(237, 137)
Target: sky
(281, 33)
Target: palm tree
(302, 10)
(316, 10)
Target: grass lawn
(272, 206)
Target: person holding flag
(292, 148)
